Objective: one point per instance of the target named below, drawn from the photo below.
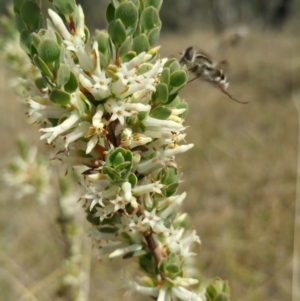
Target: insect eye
(189, 54)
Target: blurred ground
(240, 178)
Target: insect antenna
(229, 95)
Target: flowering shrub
(113, 107)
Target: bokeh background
(240, 177)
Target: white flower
(42, 108)
(143, 189)
(59, 24)
(118, 203)
(66, 125)
(99, 89)
(118, 110)
(97, 131)
(133, 140)
(132, 286)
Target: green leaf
(140, 44)
(146, 263)
(35, 40)
(18, 4)
(60, 97)
(178, 78)
(124, 169)
(138, 30)
(153, 36)
(116, 3)
(102, 38)
(112, 173)
(162, 266)
(108, 230)
(40, 83)
(125, 47)
(25, 41)
(110, 13)
(86, 35)
(132, 179)
(48, 50)
(183, 105)
(162, 93)
(149, 19)
(127, 12)
(165, 76)
(172, 269)
(174, 66)
(117, 159)
(72, 85)
(93, 220)
(136, 2)
(62, 53)
(171, 189)
(221, 297)
(42, 66)
(155, 3)
(129, 56)
(20, 23)
(144, 68)
(117, 32)
(160, 113)
(65, 7)
(172, 97)
(211, 291)
(63, 75)
(103, 60)
(30, 13)
(169, 63)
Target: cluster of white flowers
(136, 209)
(119, 115)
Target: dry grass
(240, 179)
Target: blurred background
(240, 176)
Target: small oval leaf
(162, 93)
(40, 83)
(140, 44)
(221, 297)
(72, 85)
(127, 12)
(63, 75)
(155, 3)
(178, 78)
(110, 13)
(102, 38)
(65, 7)
(60, 97)
(149, 18)
(48, 50)
(153, 36)
(117, 32)
(25, 41)
(42, 66)
(174, 66)
(165, 76)
(161, 113)
(20, 23)
(30, 14)
(125, 47)
(18, 4)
